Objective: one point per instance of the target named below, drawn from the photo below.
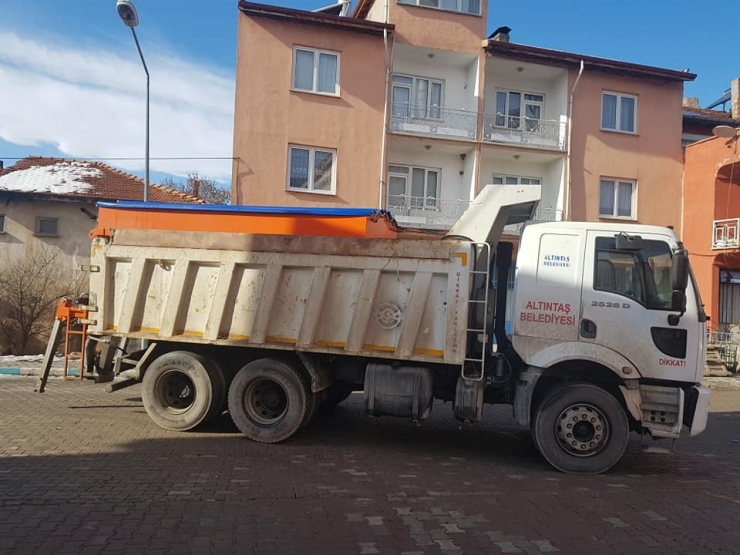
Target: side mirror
(680, 275)
(678, 303)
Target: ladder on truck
(473, 366)
(68, 315)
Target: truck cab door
(627, 306)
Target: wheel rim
(265, 401)
(175, 391)
(582, 430)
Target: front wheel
(580, 429)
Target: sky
(72, 83)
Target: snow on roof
(60, 178)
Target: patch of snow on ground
(59, 178)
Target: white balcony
(527, 132)
(433, 121)
(426, 213)
(725, 234)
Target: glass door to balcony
(413, 188)
(520, 111)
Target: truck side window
(618, 272)
(644, 275)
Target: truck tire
(269, 400)
(335, 394)
(314, 404)
(182, 390)
(580, 428)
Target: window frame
(618, 119)
(37, 228)
(409, 185)
(311, 168)
(412, 96)
(518, 178)
(615, 182)
(315, 78)
(440, 8)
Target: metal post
(146, 161)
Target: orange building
(711, 224)
(408, 105)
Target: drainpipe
(570, 134)
(388, 61)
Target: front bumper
(696, 410)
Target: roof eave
(314, 18)
(573, 60)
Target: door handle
(588, 329)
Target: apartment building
(410, 105)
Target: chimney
(501, 34)
(691, 102)
(735, 98)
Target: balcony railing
(541, 215)
(533, 133)
(426, 212)
(433, 213)
(433, 121)
(725, 234)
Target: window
(413, 187)
(617, 199)
(462, 6)
(312, 169)
(519, 110)
(644, 276)
(515, 180)
(316, 71)
(48, 227)
(619, 112)
(2, 223)
(417, 97)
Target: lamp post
(127, 13)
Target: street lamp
(127, 12)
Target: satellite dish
(725, 131)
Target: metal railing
(535, 133)
(426, 212)
(434, 213)
(725, 234)
(541, 215)
(433, 121)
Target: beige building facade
(406, 105)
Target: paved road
(83, 471)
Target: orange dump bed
(270, 220)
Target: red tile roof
(97, 181)
(711, 114)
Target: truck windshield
(643, 276)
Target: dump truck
(273, 313)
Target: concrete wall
(269, 116)
(436, 28)
(74, 226)
(653, 156)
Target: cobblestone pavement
(84, 471)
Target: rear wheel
(269, 400)
(182, 390)
(580, 429)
